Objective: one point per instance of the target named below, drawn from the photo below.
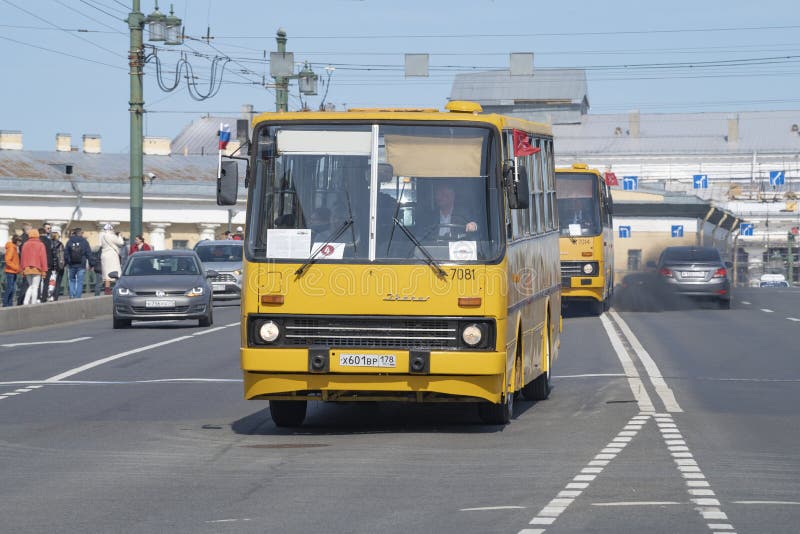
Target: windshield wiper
(430, 260)
(394, 216)
(313, 259)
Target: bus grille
(571, 268)
(387, 333)
(224, 277)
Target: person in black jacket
(77, 256)
(59, 262)
(44, 237)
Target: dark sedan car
(165, 284)
(695, 272)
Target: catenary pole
(136, 22)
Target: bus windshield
(386, 192)
(578, 204)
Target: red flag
(611, 179)
(522, 144)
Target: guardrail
(52, 313)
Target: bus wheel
(497, 414)
(596, 307)
(287, 413)
(539, 388)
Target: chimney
(733, 130)
(91, 144)
(10, 140)
(63, 142)
(157, 146)
(633, 123)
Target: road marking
(488, 508)
(635, 503)
(59, 378)
(227, 520)
(766, 310)
(557, 506)
(795, 319)
(593, 375)
(53, 342)
(636, 385)
(766, 502)
(656, 378)
(744, 302)
(203, 332)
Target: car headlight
(472, 335)
(269, 331)
(237, 272)
(195, 292)
(124, 292)
(588, 268)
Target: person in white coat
(110, 244)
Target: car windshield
(691, 254)
(140, 265)
(578, 206)
(220, 253)
(319, 190)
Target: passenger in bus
(449, 220)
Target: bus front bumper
(445, 376)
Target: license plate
(218, 287)
(159, 304)
(367, 360)
(693, 274)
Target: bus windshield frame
(375, 192)
(578, 204)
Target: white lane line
(656, 378)
(767, 502)
(593, 375)
(59, 378)
(635, 503)
(228, 520)
(488, 508)
(52, 342)
(636, 385)
(744, 302)
(557, 506)
(204, 332)
(795, 319)
(766, 310)
(237, 323)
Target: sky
(64, 62)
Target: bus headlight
(472, 335)
(269, 332)
(588, 268)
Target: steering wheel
(457, 231)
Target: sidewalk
(61, 311)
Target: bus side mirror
(228, 183)
(517, 187)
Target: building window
(180, 244)
(634, 259)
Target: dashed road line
(795, 319)
(490, 508)
(766, 310)
(744, 302)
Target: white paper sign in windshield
(288, 243)
(464, 250)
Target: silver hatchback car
(225, 257)
(695, 272)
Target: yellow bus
(398, 255)
(587, 237)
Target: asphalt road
(683, 420)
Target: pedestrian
(77, 256)
(26, 228)
(227, 235)
(139, 244)
(44, 284)
(33, 261)
(110, 243)
(59, 262)
(239, 235)
(12, 270)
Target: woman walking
(110, 244)
(34, 265)
(12, 270)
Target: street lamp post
(162, 28)
(282, 74)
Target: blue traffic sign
(776, 177)
(630, 183)
(677, 230)
(746, 229)
(700, 181)
(624, 232)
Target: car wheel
(208, 320)
(121, 323)
(287, 413)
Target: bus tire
(288, 412)
(596, 307)
(539, 388)
(497, 414)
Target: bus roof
(578, 168)
(460, 111)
